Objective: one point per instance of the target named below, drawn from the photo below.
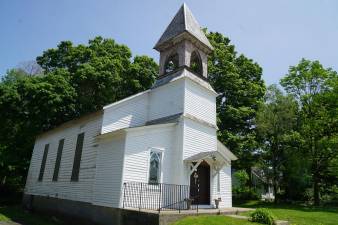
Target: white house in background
(138, 151)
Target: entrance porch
(206, 184)
(209, 175)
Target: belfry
(183, 45)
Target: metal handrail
(185, 200)
(159, 197)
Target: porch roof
(201, 156)
(221, 153)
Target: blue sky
(276, 34)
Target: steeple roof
(183, 22)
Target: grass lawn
(17, 214)
(212, 220)
(297, 214)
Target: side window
(196, 63)
(155, 167)
(58, 160)
(77, 157)
(43, 163)
(171, 63)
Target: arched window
(196, 63)
(155, 167)
(171, 63)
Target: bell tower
(183, 45)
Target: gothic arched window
(171, 63)
(196, 63)
(155, 167)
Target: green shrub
(244, 194)
(241, 190)
(262, 216)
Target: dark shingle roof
(183, 21)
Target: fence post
(124, 193)
(198, 195)
(139, 207)
(180, 200)
(159, 199)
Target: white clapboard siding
(200, 102)
(109, 165)
(129, 113)
(137, 153)
(198, 138)
(63, 188)
(166, 100)
(138, 145)
(225, 188)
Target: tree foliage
(238, 80)
(101, 72)
(76, 80)
(277, 130)
(315, 88)
(29, 105)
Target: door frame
(208, 180)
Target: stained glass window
(155, 167)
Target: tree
(276, 123)
(315, 88)
(28, 106)
(76, 80)
(101, 72)
(239, 82)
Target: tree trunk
(316, 190)
(275, 192)
(274, 184)
(249, 182)
(3, 181)
(316, 173)
(274, 170)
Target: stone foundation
(77, 212)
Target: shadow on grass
(298, 207)
(297, 213)
(15, 213)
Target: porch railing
(159, 197)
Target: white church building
(156, 150)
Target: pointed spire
(183, 22)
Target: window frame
(58, 159)
(77, 157)
(155, 150)
(43, 162)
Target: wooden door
(201, 186)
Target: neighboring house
(262, 183)
(157, 149)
